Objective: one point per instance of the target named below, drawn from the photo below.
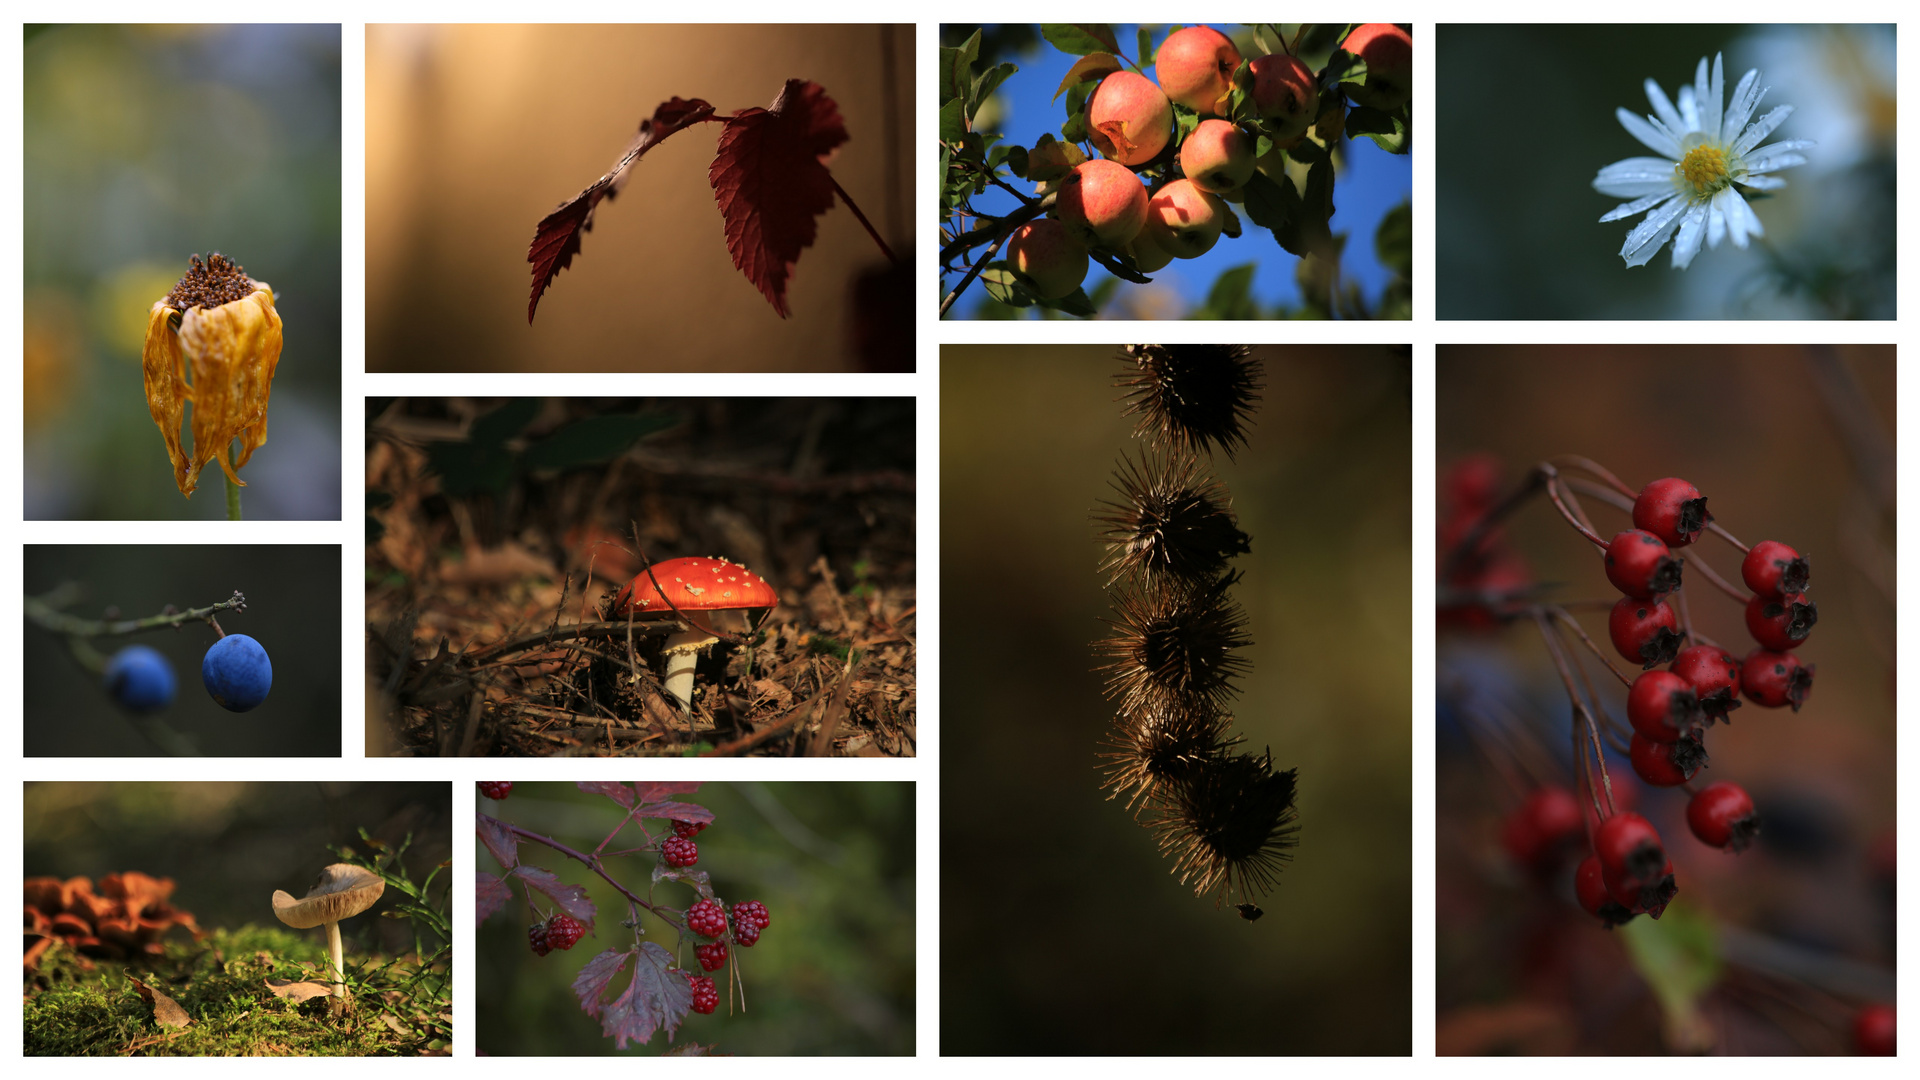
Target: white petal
(1664, 108)
(1626, 210)
(1648, 237)
(1689, 111)
(1761, 128)
(1687, 244)
(1716, 225)
(1745, 98)
(1716, 96)
(1780, 155)
(1765, 183)
(1741, 221)
(1635, 177)
(1651, 139)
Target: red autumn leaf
(675, 811)
(490, 894)
(571, 899)
(770, 182)
(499, 839)
(620, 793)
(658, 997)
(557, 238)
(655, 790)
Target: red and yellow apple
(1217, 156)
(1103, 204)
(1284, 93)
(1184, 221)
(1049, 261)
(1147, 255)
(1388, 52)
(1195, 68)
(1130, 118)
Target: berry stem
(43, 611)
(1714, 528)
(1531, 486)
(1579, 526)
(1588, 465)
(1573, 624)
(1557, 650)
(1718, 582)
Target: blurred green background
(145, 145)
(1789, 443)
(293, 611)
(229, 845)
(832, 974)
(1526, 119)
(1061, 930)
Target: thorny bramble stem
(590, 862)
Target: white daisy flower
(1703, 154)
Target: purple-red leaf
(655, 790)
(572, 899)
(675, 811)
(770, 182)
(490, 894)
(499, 840)
(557, 238)
(620, 793)
(658, 997)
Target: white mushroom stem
(339, 969)
(683, 651)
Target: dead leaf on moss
(297, 991)
(166, 1011)
(394, 1023)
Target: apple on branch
(1184, 220)
(1218, 157)
(1284, 94)
(1129, 118)
(1103, 204)
(1195, 67)
(1047, 259)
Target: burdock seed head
(1233, 819)
(1191, 397)
(1171, 520)
(1173, 644)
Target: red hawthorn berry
(1663, 706)
(1773, 569)
(537, 938)
(1715, 677)
(1641, 565)
(1647, 897)
(1721, 815)
(1783, 623)
(705, 996)
(1645, 631)
(1874, 1028)
(1536, 832)
(1666, 764)
(563, 931)
(679, 851)
(1590, 885)
(1672, 510)
(712, 955)
(1772, 679)
(1629, 848)
(496, 789)
(687, 830)
(1472, 483)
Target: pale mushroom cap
(341, 892)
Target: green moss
(78, 1008)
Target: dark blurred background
(1518, 232)
(1789, 443)
(145, 145)
(475, 133)
(228, 846)
(1061, 930)
(832, 974)
(293, 611)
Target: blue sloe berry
(140, 679)
(237, 672)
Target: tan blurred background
(474, 133)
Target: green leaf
(1231, 295)
(1267, 203)
(1016, 159)
(956, 69)
(1230, 227)
(594, 439)
(1075, 303)
(1003, 285)
(1079, 40)
(505, 422)
(1090, 68)
(1387, 130)
(1679, 957)
(481, 462)
(953, 123)
(986, 84)
(1393, 241)
(1143, 39)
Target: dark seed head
(1171, 519)
(217, 281)
(1191, 398)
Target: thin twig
(855, 207)
(46, 617)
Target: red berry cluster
(496, 789)
(537, 938)
(563, 931)
(705, 996)
(707, 919)
(687, 830)
(712, 955)
(1545, 826)
(679, 851)
(749, 918)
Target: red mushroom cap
(694, 583)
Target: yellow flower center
(1705, 168)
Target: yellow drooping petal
(167, 392)
(233, 350)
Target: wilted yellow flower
(223, 322)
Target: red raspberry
(687, 830)
(1662, 706)
(1672, 510)
(1666, 764)
(680, 851)
(746, 934)
(1873, 1031)
(1721, 815)
(1535, 833)
(1645, 631)
(1641, 566)
(752, 911)
(496, 789)
(1650, 897)
(1773, 679)
(537, 937)
(1773, 569)
(1715, 677)
(705, 996)
(1631, 856)
(1591, 887)
(1783, 623)
(707, 919)
(712, 955)
(563, 931)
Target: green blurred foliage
(145, 145)
(832, 974)
(293, 611)
(1061, 930)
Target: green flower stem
(233, 489)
